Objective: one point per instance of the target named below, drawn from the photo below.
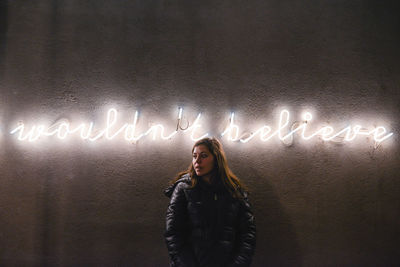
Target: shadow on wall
(276, 238)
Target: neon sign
(63, 129)
(129, 132)
(326, 133)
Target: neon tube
(128, 131)
(63, 129)
(325, 133)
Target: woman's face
(203, 160)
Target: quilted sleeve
(246, 236)
(176, 233)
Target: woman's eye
(204, 155)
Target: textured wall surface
(73, 202)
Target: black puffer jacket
(206, 226)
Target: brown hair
(221, 169)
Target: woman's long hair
(221, 169)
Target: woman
(209, 221)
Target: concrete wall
(73, 202)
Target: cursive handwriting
(284, 131)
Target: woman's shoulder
(185, 178)
(182, 183)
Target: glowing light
(348, 134)
(232, 128)
(131, 128)
(32, 135)
(180, 114)
(194, 127)
(63, 129)
(128, 131)
(377, 134)
(263, 131)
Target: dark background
(316, 203)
